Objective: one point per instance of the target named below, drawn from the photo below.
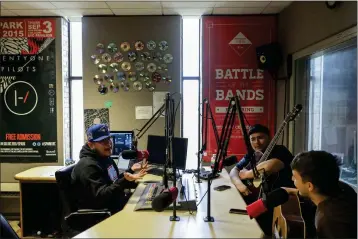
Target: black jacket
(97, 182)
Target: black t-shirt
(281, 179)
(336, 217)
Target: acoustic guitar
(288, 221)
(255, 184)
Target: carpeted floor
(15, 226)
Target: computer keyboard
(186, 199)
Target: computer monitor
(122, 140)
(156, 147)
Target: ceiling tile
(82, 12)
(187, 11)
(76, 5)
(28, 5)
(7, 13)
(138, 11)
(24, 1)
(282, 4)
(272, 10)
(134, 5)
(188, 4)
(250, 4)
(41, 12)
(188, 1)
(230, 11)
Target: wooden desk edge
(38, 174)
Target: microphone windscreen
(230, 160)
(142, 154)
(174, 191)
(256, 208)
(163, 200)
(129, 154)
(276, 197)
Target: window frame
(310, 50)
(71, 78)
(188, 78)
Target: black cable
(209, 181)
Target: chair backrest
(6, 230)
(64, 183)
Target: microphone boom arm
(204, 131)
(250, 150)
(150, 122)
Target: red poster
(29, 29)
(230, 67)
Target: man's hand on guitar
(244, 174)
(293, 191)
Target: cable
(209, 181)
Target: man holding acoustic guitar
(316, 176)
(275, 166)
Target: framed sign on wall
(28, 123)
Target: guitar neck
(273, 142)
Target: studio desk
(40, 210)
(144, 224)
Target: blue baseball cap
(98, 132)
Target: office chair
(75, 221)
(6, 230)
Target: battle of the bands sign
(28, 125)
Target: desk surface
(43, 173)
(139, 224)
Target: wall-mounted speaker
(269, 57)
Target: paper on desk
(158, 101)
(143, 112)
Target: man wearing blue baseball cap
(96, 178)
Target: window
(77, 118)
(77, 121)
(191, 50)
(76, 49)
(190, 120)
(326, 84)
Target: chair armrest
(86, 218)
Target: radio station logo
(240, 43)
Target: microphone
(163, 200)
(227, 162)
(275, 198)
(135, 154)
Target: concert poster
(230, 68)
(28, 122)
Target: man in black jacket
(316, 176)
(96, 180)
(276, 167)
